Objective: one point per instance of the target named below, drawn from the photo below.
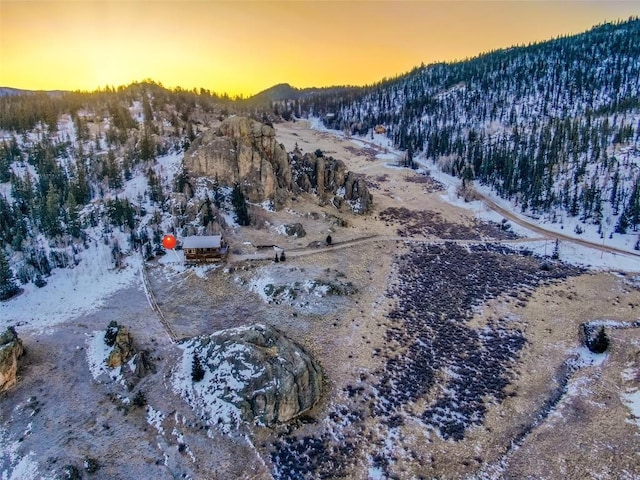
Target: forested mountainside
(94, 170)
(553, 126)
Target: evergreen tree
(623, 223)
(50, 217)
(5, 164)
(155, 187)
(218, 198)
(73, 222)
(80, 183)
(147, 145)
(600, 343)
(112, 171)
(239, 203)
(207, 215)
(8, 286)
(197, 371)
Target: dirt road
(547, 233)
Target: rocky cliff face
(246, 152)
(11, 350)
(252, 374)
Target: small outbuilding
(204, 249)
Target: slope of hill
(553, 126)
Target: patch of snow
(97, 354)
(214, 397)
(280, 229)
(155, 419)
(258, 284)
(586, 358)
(17, 466)
(376, 473)
(268, 206)
(69, 292)
(631, 397)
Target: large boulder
(253, 374)
(244, 152)
(11, 350)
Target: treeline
(24, 112)
(551, 125)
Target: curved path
(548, 233)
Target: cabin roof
(211, 241)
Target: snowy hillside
(553, 127)
(87, 185)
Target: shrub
(140, 399)
(90, 465)
(39, 281)
(600, 343)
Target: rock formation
(262, 374)
(120, 339)
(329, 178)
(11, 350)
(245, 152)
(295, 230)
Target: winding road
(547, 233)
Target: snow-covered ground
(71, 292)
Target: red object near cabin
(169, 242)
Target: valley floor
(455, 354)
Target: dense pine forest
(553, 126)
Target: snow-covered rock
(248, 374)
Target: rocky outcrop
(357, 193)
(263, 376)
(329, 178)
(295, 230)
(245, 152)
(11, 349)
(118, 337)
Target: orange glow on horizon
(242, 48)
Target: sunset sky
(245, 47)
